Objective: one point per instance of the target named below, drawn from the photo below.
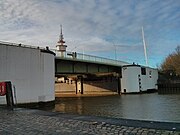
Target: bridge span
(77, 63)
(82, 74)
(85, 74)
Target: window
(150, 75)
(143, 71)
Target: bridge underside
(69, 68)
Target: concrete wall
(30, 71)
(48, 77)
(102, 87)
(65, 88)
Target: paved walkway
(36, 122)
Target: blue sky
(96, 27)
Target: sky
(105, 28)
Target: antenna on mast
(145, 50)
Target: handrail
(89, 58)
(22, 45)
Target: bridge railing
(22, 45)
(89, 58)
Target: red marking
(2, 88)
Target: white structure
(31, 71)
(136, 78)
(60, 46)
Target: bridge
(87, 74)
(77, 63)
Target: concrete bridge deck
(35, 122)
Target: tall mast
(145, 50)
(61, 38)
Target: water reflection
(70, 105)
(145, 107)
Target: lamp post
(115, 53)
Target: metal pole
(115, 51)
(144, 43)
(15, 98)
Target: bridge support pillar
(119, 85)
(79, 85)
(76, 86)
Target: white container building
(30, 70)
(136, 78)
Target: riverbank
(30, 121)
(99, 94)
(60, 95)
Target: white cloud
(94, 24)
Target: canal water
(142, 107)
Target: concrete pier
(35, 122)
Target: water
(142, 107)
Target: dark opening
(143, 71)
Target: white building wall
(30, 71)
(129, 80)
(49, 81)
(132, 83)
(144, 82)
(149, 81)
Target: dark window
(143, 71)
(150, 74)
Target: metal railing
(21, 45)
(88, 58)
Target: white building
(136, 78)
(31, 71)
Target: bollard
(9, 95)
(6, 89)
(82, 89)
